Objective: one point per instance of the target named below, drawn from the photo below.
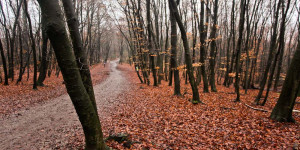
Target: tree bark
(173, 61)
(238, 50)
(271, 55)
(213, 49)
(150, 47)
(44, 63)
(56, 30)
(32, 46)
(188, 60)
(203, 34)
(4, 63)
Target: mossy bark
(58, 35)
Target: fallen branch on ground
(295, 111)
(256, 108)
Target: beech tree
(82, 100)
(188, 59)
(173, 59)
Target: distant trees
(25, 44)
(224, 50)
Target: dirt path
(45, 126)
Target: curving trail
(45, 126)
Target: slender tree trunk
(12, 44)
(213, 49)
(238, 50)
(188, 59)
(203, 34)
(150, 47)
(173, 60)
(280, 50)
(21, 68)
(271, 55)
(32, 46)
(44, 64)
(4, 63)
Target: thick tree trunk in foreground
(56, 30)
(291, 88)
(80, 54)
(188, 59)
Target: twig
(255, 108)
(295, 111)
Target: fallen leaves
(159, 120)
(21, 96)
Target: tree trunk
(188, 60)
(280, 50)
(56, 30)
(32, 46)
(4, 63)
(203, 35)
(150, 47)
(44, 64)
(173, 60)
(12, 42)
(271, 55)
(238, 50)
(21, 68)
(213, 49)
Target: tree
(55, 27)
(238, 49)
(3, 63)
(173, 61)
(150, 47)
(188, 60)
(213, 48)
(44, 63)
(32, 46)
(271, 54)
(291, 88)
(203, 35)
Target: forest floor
(154, 119)
(15, 97)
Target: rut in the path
(44, 126)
